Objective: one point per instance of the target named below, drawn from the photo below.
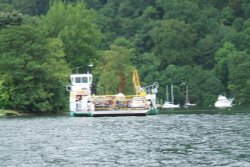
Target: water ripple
(162, 140)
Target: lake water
(181, 140)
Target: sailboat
(187, 102)
(170, 104)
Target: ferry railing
(132, 102)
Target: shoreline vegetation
(4, 113)
(193, 110)
(13, 113)
(200, 45)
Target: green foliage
(148, 68)
(35, 67)
(5, 7)
(115, 69)
(203, 85)
(204, 44)
(222, 68)
(243, 39)
(227, 15)
(10, 18)
(31, 7)
(6, 86)
(185, 10)
(75, 25)
(207, 47)
(232, 66)
(173, 42)
(207, 22)
(239, 77)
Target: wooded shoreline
(202, 45)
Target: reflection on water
(161, 140)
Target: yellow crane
(137, 86)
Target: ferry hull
(118, 114)
(153, 111)
(80, 114)
(114, 113)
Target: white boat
(84, 103)
(187, 102)
(223, 102)
(170, 104)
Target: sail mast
(187, 100)
(172, 93)
(167, 96)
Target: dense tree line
(202, 44)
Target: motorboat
(223, 102)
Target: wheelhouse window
(81, 80)
(84, 79)
(78, 79)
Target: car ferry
(84, 103)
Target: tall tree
(148, 68)
(239, 77)
(75, 25)
(185, 10)
(5, 6)
(116, 69)
(242, 40)
(221, 67)
(173, 42)
(31, 7)
(231, 67)
(10, 18)
(35, 67)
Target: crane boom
(136, 81)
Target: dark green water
(194, 138)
